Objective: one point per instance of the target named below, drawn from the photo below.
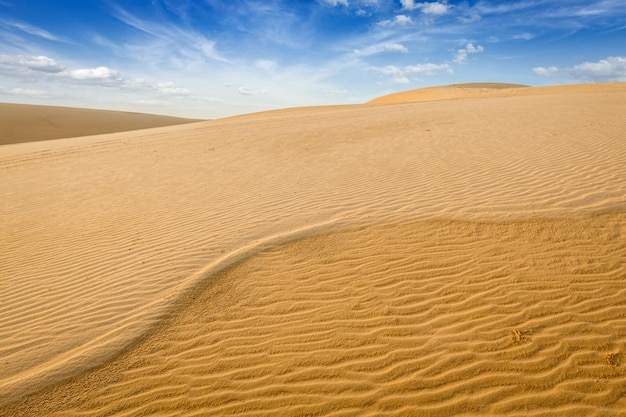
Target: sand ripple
(389, 320)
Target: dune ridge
(112, 237)
(485, 90)
(26, 123)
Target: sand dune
(434, 258)
(25, 123)
(484, 90)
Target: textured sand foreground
(25, 123)
(451, 257)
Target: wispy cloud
(32, 30)
(380, 48)
(581, 8)
(172, 40)
(543, 10)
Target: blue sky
(214, 58)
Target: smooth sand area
(26, 123)
(447, 257)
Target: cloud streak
(173, 40)
(32, 30)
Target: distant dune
(459, 256)
(447, 92)
(485, 90)
(27, 123)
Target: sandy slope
(343, 260)
(25, 123)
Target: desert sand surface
(461, 256)
(25, 123)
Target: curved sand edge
(385, 320)
(103, 231)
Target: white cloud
(336, 2)
(545, 71)
(436, 9)
(399, 20)
(401, 75)
(612, 68)
(246, 91)
(471, 49)
(32, 63)
(395, 47)
(433, 8)
(397, 73)
(266, 64)
(461, 54)
(92, 74)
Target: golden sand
(434, 258)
